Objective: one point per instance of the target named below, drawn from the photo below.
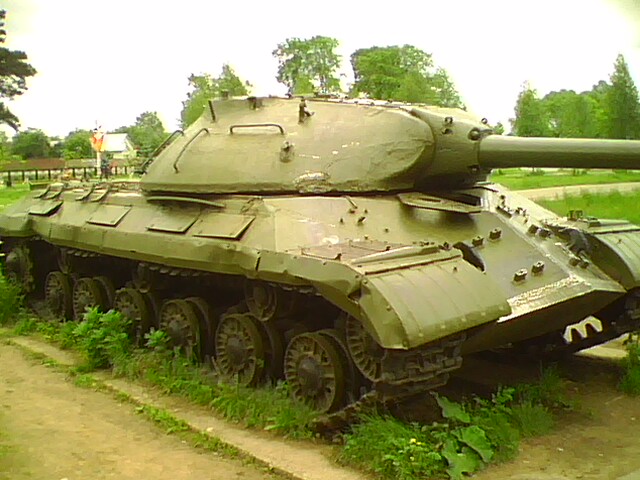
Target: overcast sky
(109, 61)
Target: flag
(97, 140)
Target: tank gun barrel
(505, 152)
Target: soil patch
(52, 429)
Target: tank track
(447, 357)
(160, 296)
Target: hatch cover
(45, 208)
(108, 215)
(222, 225)
(173, 222)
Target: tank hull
(411, 272)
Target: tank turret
(267, 146)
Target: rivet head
(520, 275)
(537, 267)
(477, 241)
(495, 234)
(573, 261)
(584, 263)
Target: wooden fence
(49, 169)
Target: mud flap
(416, 305)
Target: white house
(119, 146)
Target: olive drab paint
(381, 209)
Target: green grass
(630, 382)
(525, 179)
(10, 300)
(13, 194)
(612, 206)
(470, 436)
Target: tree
(147, 133)
(77, 144)
(14, 70)
(32, 143)
(573, 115)
(5, 148)
(305, 65)
(498, 128)
(622, 105)
(531, 118)
(403, 73)
(205, 87)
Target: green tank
(353, 248)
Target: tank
(352, 248)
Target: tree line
(311, 66)
(609, 110)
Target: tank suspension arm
(186, 145)
(250, 125)
(496, 151)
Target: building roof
(117, 142)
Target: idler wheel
(108, 290)
(58, 294)
(207, 324)
(240, 350)
(131, 304)
(314, 371)
(86, 294)
(179, 320)
(365, 351)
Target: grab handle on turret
(186, 145)
(143, 168)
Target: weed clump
(471, 435)
(630, 382)
(104, 341)
(10, 300)
(102, 338)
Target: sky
(106, 62)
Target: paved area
(560, 192)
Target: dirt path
(51, 429)
(597, 440)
